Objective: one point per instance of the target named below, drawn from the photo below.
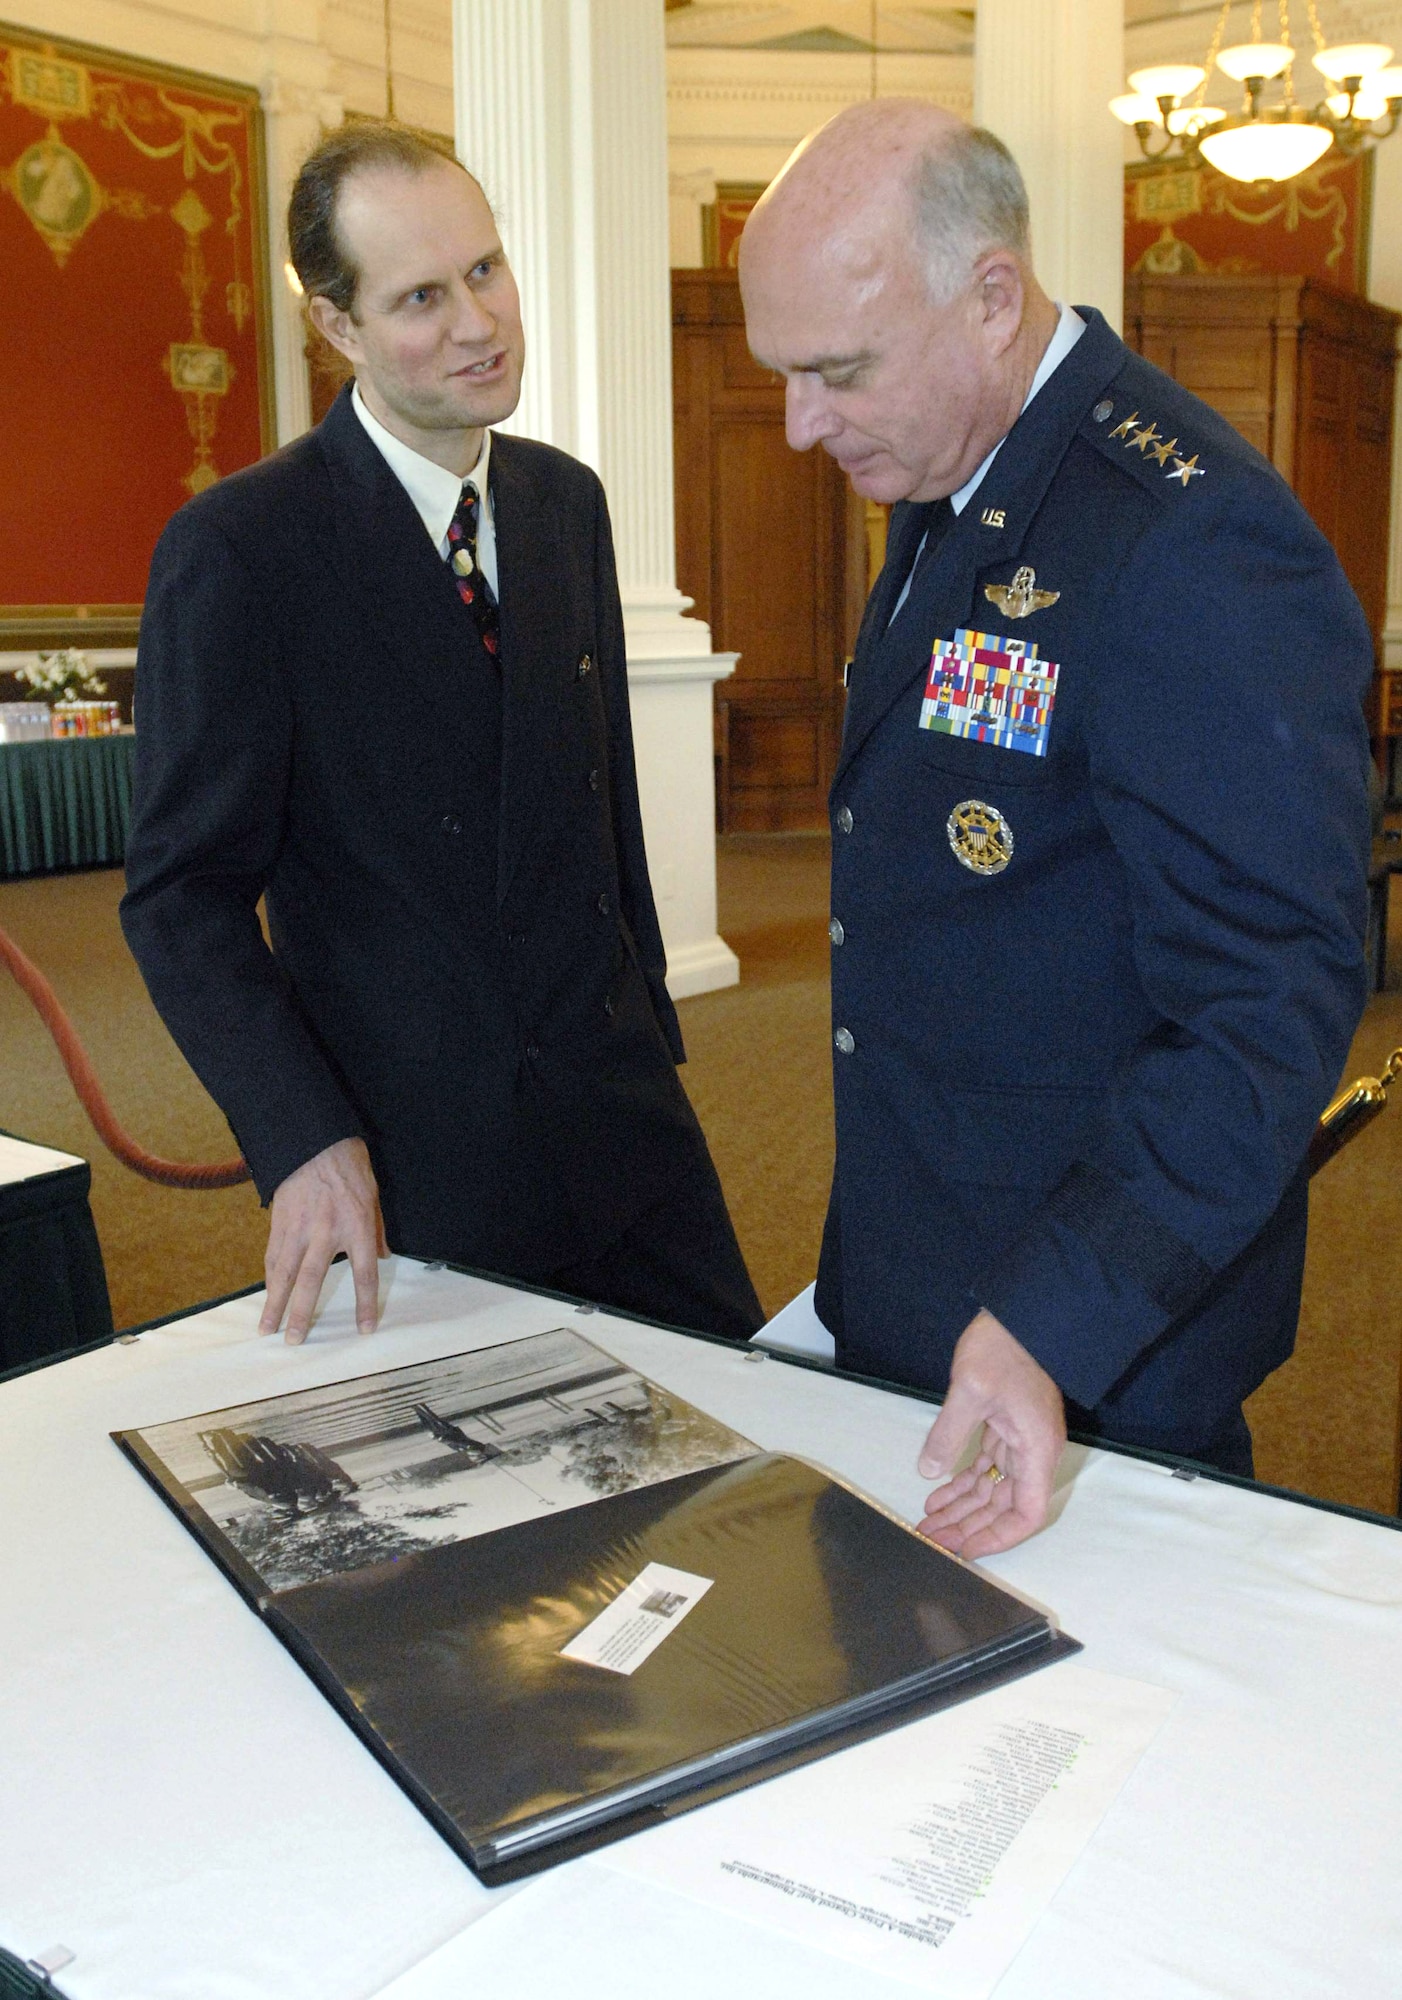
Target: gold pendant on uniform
(980, 837)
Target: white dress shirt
(1069, 328)
(435, 491)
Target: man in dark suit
(382, 684)
(1099, 836)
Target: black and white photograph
(327, 1480)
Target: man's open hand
(330, 1204)
(993, 1383)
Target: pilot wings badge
(1021, 597)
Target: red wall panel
(133, 304)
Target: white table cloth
(184, 1811)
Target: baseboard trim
(701, 968)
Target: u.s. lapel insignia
(980, 837)
(1020, 598)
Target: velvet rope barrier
(169, 1173)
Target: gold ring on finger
(996, 1474)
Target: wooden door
(773, 550)
(1343, 456)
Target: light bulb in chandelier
(1133, 108)
(1352, 59)
(1365, 106)
(1169, 80)
(1262, 149)
(1265, 59)
(1190, 119)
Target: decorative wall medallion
(52, 185)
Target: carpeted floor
(758, 1073)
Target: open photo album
(559, 1602)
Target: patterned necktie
(473, 588)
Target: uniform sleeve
(1228, 762)
(213, 766)
(639, 909)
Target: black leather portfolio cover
(558, 1602)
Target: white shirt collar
(434, 490)
(1069, 328)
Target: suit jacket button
(836, 932)
(532, 1051)
(586, 661)
(843, 1042)
(603, 906)
(844, 818)
(451, 823)
(608, 1006)
(593, 781)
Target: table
(64, 804)
(188, 1816)
(53, 1288)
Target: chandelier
(1264, 140)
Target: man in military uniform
(1099, 827)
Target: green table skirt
(64, 804)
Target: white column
(297, 106)
(1044, 72)
(687, 195)
(293, 127)
(561, 110)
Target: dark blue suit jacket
(1080, 1090)
(465, 966)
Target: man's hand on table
(330, 1204)
(993, 1383)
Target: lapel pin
(994, 517)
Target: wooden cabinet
(773, 550)
(1306, 374)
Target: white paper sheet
(797, 1329)
(21, 1161)
(928, 1854)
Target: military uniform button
(608, 1005)
(603, 906)
(836, 932)
(1103, 411)
(586, 661)
(843, 1042)
(844, 818)
(532, 1051)
(451, 823)
(593, 781)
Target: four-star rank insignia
(1020, 598)
(1135, 433)
(980, 837)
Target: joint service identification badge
(991, 690)
(980, 837)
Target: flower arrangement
(63, 676)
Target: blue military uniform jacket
(1075, 1080)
